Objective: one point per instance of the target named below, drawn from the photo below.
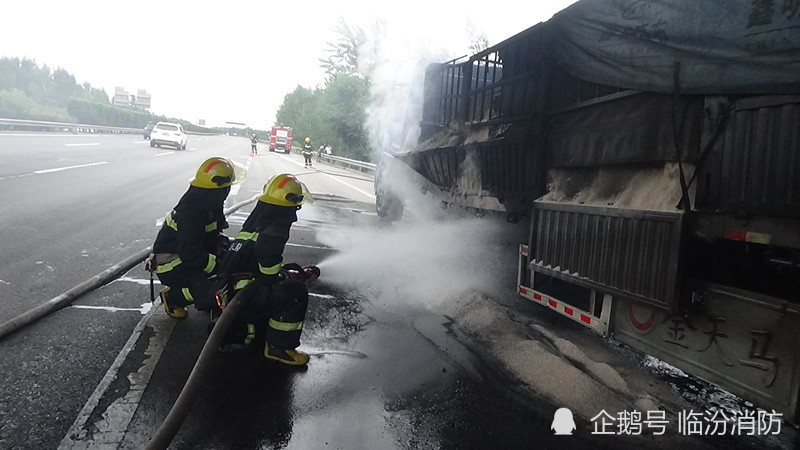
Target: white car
(168, 133)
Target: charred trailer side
(482, 129)
(672, 214)
(712, 288)
(659, 170)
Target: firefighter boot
(177, 312)
(290, 357)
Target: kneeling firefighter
(275, 314)
(186, 248)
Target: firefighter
(186, 248)
(254, 144)
(308, 151)
(274, 315)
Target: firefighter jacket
(190, 236)
(258, 249)
(308, 149)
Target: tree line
(334, 114)
(31, 92)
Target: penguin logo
(563, 422)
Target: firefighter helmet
(214, 173)
(308, 139)
(285, 190)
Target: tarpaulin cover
(719, 46)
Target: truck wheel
(389, 207)
(152, 144)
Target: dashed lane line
(59, 169)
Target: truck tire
(389, 207)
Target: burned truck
(654, 150)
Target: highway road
(388, 368)
(106, 370)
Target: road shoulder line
(110, 430)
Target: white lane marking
(163, 153)
(82, 145)
(41, 135)
(143, 310)
(332, 177)
(350, 185)
(142, 281)
(111, 424)
(58, 169)
(289, 244)
(11, 177)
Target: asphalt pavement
(416, 335)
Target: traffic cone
(251, 153)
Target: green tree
(343, 54)
(335, 113)
(478, 41)
(344, 102)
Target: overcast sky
(234, 61)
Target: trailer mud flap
(741, 341)
(622, 252)
(596, 316)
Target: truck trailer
(653, 148)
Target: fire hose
(104, 277)
(180, 409)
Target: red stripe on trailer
(563, 308)
(735, 235)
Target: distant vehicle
(280, 137)
(148, 129)
(167, 133)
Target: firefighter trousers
(275, 314)
(189, 288)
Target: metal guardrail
(360, 165)
(38, 125)
(339, 161)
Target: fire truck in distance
(280, 137)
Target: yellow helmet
(308, 139)
(214, 173)
(285, 190)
